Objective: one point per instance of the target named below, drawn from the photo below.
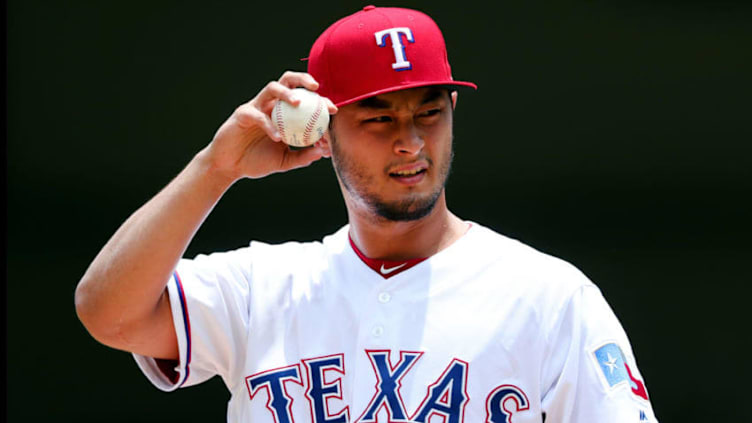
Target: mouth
(407, 173)
(410, 174)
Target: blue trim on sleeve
(186, 324)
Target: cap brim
(450, 83)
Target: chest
(396, 352)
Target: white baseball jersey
(487, 330)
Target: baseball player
(408, 313)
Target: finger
(330, 106)
(324, 151)
(294, 159)
(299, 79)
(271, 93)
(249, 116)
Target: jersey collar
(385, 268)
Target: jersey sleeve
(591, 374)
(209, 297)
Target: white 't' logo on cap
(401, 62)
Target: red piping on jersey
(385, 268)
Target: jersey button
(377, 331)
(385, 297)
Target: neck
(389, 240)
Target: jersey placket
(376, 333)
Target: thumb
(303, 157)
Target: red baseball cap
(379, 50)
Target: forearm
(126, 281)
(121, 298)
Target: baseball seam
(312, 123)
(280, 120)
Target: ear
(325, 145)
(454, 100)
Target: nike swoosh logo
(387, 270)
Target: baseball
(305, 124)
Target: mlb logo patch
(615, 369)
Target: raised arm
(121, 299)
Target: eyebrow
(380, 103)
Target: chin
(406, 210)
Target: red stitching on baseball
(280, 122)
(311, 123)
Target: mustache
(397, 163)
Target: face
(392, 152)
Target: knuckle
(275, 88)
(240, 110)
(271, 85)
(246, 115)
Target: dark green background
(613, 134)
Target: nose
(409, 140)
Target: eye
(430, 112)
(378, 119)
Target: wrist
(216, 177)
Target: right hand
(247, 144)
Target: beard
(415, 206)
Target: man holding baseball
(407, 313)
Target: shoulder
(523, 263)
(521, 276)
(295, 256)
(266, 261)
(554, 291)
